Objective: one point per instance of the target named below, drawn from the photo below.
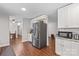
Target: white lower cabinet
(59, 50)
(67, 47)
(59, 46)
(75, 49)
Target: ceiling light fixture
(18, 24)
(13, 22)
(23, 9)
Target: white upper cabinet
(68, 17)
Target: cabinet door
(73, 17)
(67, 50)
(75, 49)
(68, 17)
(59, 46)
(61, 16)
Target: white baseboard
(3, 45)
(24, 40)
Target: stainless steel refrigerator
(39, 35)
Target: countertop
(73, 40)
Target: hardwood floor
(26, 48)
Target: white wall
(12, 27)
(4, 31)
(52, 28)
(26, 29)
(19, 30)
(52, 23)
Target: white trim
(3, 45)
(24, 40)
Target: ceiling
(32, 9)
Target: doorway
(15, 30)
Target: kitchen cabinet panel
(66, 47)
(63, 17)
(68, 16)
(59, 46)
(75, 48)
